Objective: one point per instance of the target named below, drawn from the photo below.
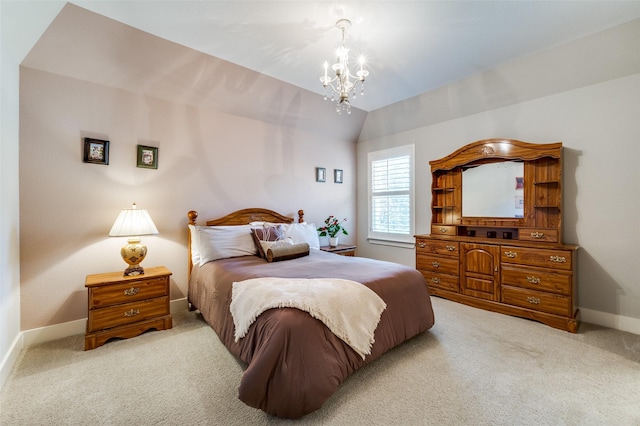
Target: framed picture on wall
(96, 151)
(337, 176)
(147, 157)
(321, 174)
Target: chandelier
(344, 84)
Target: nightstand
(126, 307)
(341, 249)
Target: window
(391, 199)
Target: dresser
(124, 307)
(513, 261)
(530, 282)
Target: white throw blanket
(349, 309)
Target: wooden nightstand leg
(89, 342)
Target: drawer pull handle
(537, 235)
(443, 229)
(131, 291)
(533, 300)
(451, 248)
(422, 244)
(435, 280)
(511, 254)
(435, 264)
(533, 280)
(557, 259)
(131, 313)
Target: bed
(294, 361)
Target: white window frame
(390, 238)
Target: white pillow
(195, 245)
(303, 233)
(220, 242)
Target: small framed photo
(337, 176)
(147, 157)
(96, 151)
(321, 174)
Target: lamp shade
(133, 221)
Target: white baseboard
(71, 328)
(604, 319)
(10, 359)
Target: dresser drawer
(443, 281)
(536, 279)
(444, 248)
(545, 258)
(128, 291)
(442, 265)
(127, 313)
(537, 300)
(538, 234)
(443, 230)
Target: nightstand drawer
(127, 313)
(126, 292)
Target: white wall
(21, 23)
(585, 94)
(211, 162)
(599, 128)
(80, 211)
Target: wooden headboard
(240, 217)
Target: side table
(126, 307)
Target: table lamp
(132, 223)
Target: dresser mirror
(493, 190)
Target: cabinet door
(479, 270)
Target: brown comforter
(294, 362)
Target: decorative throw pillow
(265, 233)
(220, 242)
(279, 252)
(266, 245)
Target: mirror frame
(539, 160)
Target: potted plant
(332, 227)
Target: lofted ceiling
(412, 47)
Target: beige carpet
(473, 368)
